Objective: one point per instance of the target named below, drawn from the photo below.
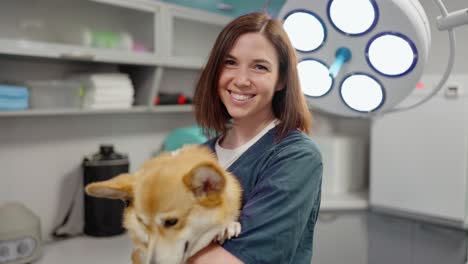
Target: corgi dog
(178, 203)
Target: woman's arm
(214, 254)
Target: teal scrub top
(281, 183)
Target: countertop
(117, 249)
(84, 249)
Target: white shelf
(172, 109)
(74, 52)
(346, 201)
(178, 38)
(64, 112)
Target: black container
(103, 217)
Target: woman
(249, 94)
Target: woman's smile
(240, 97)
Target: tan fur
(187, 185)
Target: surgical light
(363, 17)
(314, 77)
(360, 58)
(391, 54)
(361, 92)
(305, 29)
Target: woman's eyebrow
(265, 61)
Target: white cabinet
(419, 157)
(405, 241)
(340, 237)
(147, 40)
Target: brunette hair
(289, 104)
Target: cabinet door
(340, 238)
(389, 240)
(191, 35)
(436, 245)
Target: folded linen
(97, 100)
(106, 81)
(109, 92)
(13, 104)
(13, 91)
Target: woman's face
(249, 78)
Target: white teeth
(241, 97)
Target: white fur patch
(175, 152)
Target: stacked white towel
(107, 91)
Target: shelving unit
(50, 40)
(136, 109)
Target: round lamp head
(388, 42)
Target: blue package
(13, 104)
(13, 91)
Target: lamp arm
(448, 69)
(453, 19)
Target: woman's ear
(119, 187)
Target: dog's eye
(170, 222)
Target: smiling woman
(249, 98)
(248, 80)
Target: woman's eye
(261, 67)
(170, 222)
(229, 62)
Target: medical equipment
(361, 58)
(20, 234)
(365, 58)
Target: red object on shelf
(181, 99)
(171, 99)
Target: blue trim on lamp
(407, 39)
(331, 85)
(319, 19)
(374, 23)
(370, 76)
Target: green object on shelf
(179, 137)
(105, 39)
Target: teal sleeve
(281, 210)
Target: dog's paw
(138, 256)
(233, 229)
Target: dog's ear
(207, 184)
(119, 187)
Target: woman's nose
(242, 79)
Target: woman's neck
(244, 130)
